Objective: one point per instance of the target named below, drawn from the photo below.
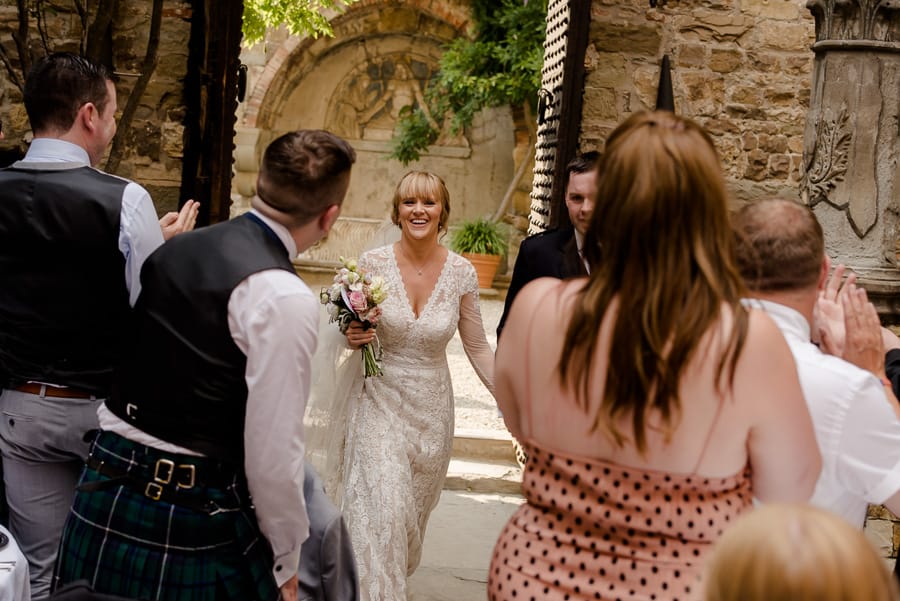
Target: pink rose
(372, 315)
(358, 301)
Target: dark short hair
(582, 163)
(779, 245)
(58, 85)
(304, 172)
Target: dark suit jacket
(548, 254)
(327, 567)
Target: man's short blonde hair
(796, 553)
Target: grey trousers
(43, 452)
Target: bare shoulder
(762, 330)
(765, 352)
(546, 296)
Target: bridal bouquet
(355, 294)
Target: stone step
(483, 461)
(481, 476)
(488, 445)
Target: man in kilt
(72, 242)
(194, 486)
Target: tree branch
(42, 25)
(20, 37)
(82, 9)
(13, 77)
(520, 170)
(151, 58)
(95, 34)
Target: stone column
(851, 143)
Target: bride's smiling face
(419, 217)
(421, 205)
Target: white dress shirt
(273, 317)
(139, 230)
(856, 428)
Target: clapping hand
(828, 314)
(173, 223)
(863, 345)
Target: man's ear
(329, 217)
(86, 115)
(824, 270)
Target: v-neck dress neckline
(434, 289)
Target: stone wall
(155, 146)
(739, 67)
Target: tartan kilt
(124, 543)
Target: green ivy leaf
(500, 66)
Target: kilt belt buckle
(164, 472)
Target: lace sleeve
(471, 328)
(471, 332)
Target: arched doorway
(356, 84)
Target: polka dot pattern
(596, 530)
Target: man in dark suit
(557, 253)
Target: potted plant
(483, 242)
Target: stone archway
(355, 84)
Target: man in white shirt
(781, 254)
(72, 241)
(207, 405)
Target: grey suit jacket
(327, 567)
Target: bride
(398, 430)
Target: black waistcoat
(63, 297)
(182, 377)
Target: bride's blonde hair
(422, 184)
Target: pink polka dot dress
(595, 530)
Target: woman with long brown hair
(653, 406)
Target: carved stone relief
(826, 164)
(851, 142)
(357, 84)
(369, 101)
(855, 19)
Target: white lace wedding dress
(399, 426)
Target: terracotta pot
(485, 266)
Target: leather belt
(54, 391)
(163, 487)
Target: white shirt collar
(281, 231)
(579, 241)
(54, 150)
(790, 321)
